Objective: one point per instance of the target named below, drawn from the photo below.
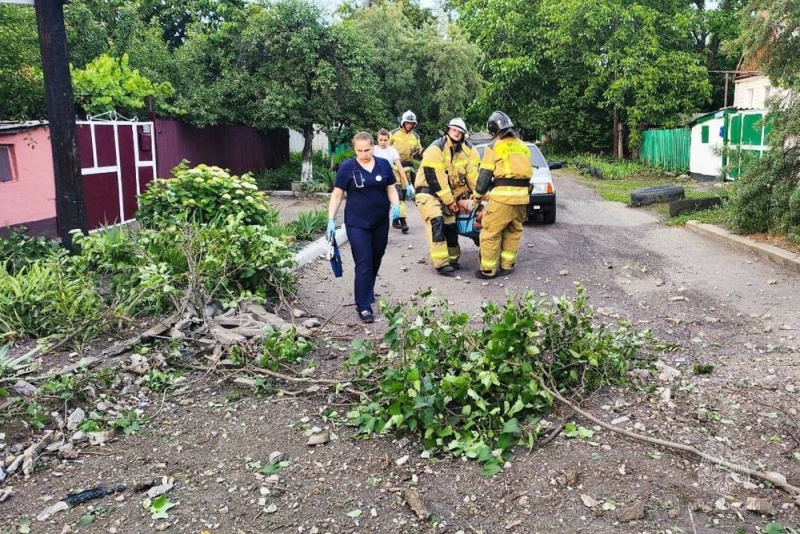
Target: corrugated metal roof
(12, 127)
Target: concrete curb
(766, 251)
(318, 248)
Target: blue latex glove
(331, 231)
(409, 191)
(394, 213)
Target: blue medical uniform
(366, 218)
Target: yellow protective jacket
(407, 144)
(448, 171)
(507, 160)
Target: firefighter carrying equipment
(499, 124)
(447, 170)
(505, 173)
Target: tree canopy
(767, 195)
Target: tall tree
(293, 69)
(430, 69)
(569, 66)
(22, 86)
(767, 195)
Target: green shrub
(342, 156)
(152, 270)
(204, 195)
(767, 196)
(49, 297)
(473, 392)
(283, 347)
(614, 169)
(19, 250)
(280, 179)
(309, 224)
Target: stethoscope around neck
(358, 177)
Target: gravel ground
(714, 305)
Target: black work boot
(484, 275)
(445, 270)
(403, 225)
(396, 223)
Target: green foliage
(613, 169)
(19, 250)
(280, 179)
(475, 392)
(566, 67)
(205, 195)
(109, 84)
(309, 225)
(48, 297)
(427, 66)
(766, 197)
(22, 87)
(154, 269)
(283, 347)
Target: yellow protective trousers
(440, 231)
(401, 194)
(500, 235)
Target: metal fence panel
(667, 149)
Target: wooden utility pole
(70, 205)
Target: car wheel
(549, 217)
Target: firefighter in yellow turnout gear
(406, 141)
(448, 173)
(505, 172)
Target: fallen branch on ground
(772, 477)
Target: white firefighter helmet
(408, 116)
(459, 124)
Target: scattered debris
(318, 439)
(760, 506)
(167, 483)
(414, 501)
(91, 494)
(630, 513)
(45, 514)
(589, 501)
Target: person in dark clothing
(371, 199)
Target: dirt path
(712, 305)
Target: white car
(542, 205)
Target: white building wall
(296, 141)
(706, 158)
(753, 92)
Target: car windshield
(537, 158)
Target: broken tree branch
(777, 479)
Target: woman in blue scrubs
(371, 198)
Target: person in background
(406, 141)
(404, 188)
(371, 199)
(504, 175)
(447, 173)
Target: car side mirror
(555, 164)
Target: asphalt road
(631, 264)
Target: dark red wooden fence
(238, 148)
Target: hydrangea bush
(205, 195)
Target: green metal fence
(667, 149)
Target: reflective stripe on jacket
(406, 143)
(455, 169)
(508, 158)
